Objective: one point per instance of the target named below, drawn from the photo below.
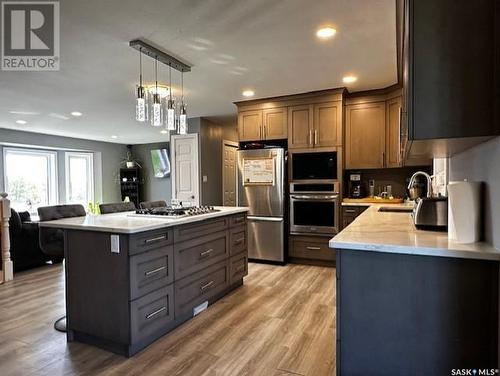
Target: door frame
(237, 145)
(173, 140)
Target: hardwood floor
(281, 322)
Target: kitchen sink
(396, 209)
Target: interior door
(185, 168)
(229, 178)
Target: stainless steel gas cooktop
(170, 212)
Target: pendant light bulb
(183, 120)
(140, 102)
(170, 103)
(157, 118)
(183, 111)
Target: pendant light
(157, 111)
(170, 103)
(183, 113)
(141, 112)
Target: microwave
(314, 165)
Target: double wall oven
(314, 192)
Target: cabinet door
(300, 126)
(365, 135)
(275, 123)
(393, 133)
(250, 125)
(328, 124)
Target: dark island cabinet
(451, 74)
(124, 300)
(402, 314)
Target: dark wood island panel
(125, 299)
(401, 314)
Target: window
(30, 178)
(79, 178)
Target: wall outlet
(205, 178)
(115, 243)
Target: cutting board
(373, 200)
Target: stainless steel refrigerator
(261, 187)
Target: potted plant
(130, 161)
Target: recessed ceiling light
(163, 131)
(349, 79)
(113, 136)
(22, 122)
(326, 32)
(248, 93)
(76, 113)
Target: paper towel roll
(464, 211)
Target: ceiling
(267, 46)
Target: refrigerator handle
(265, 219)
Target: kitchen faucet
(429, 181)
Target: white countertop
(395, 233)
(121, 223)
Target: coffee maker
(355, 185)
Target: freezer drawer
(266, 238)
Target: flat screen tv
(161, 163)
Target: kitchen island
(130, 280)
(411, 302)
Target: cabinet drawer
(313, 248)
(237, 220)
(150, 271)
(199, 287)
(151, 313)
(194, 230)
(238, 267)
(237, 240)
(150, 240)
(196, 254)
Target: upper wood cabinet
(250, 125)
(393, 133)
(300, 126)
(258, 125)
(328, 124)
(308, 120)
(275, 124)
(365, 135)
(315, 125)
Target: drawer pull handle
(158, 311)
(206, 253)
(313, 248)
(350, 211)
(206, 285)
(239, 241)
(158, 238)
(154, 271)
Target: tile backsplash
(398, 178)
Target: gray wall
(211, 163)
(482, 163)
(107, 157)
(154, 188)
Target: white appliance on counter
(261, 187)
(464, 212)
